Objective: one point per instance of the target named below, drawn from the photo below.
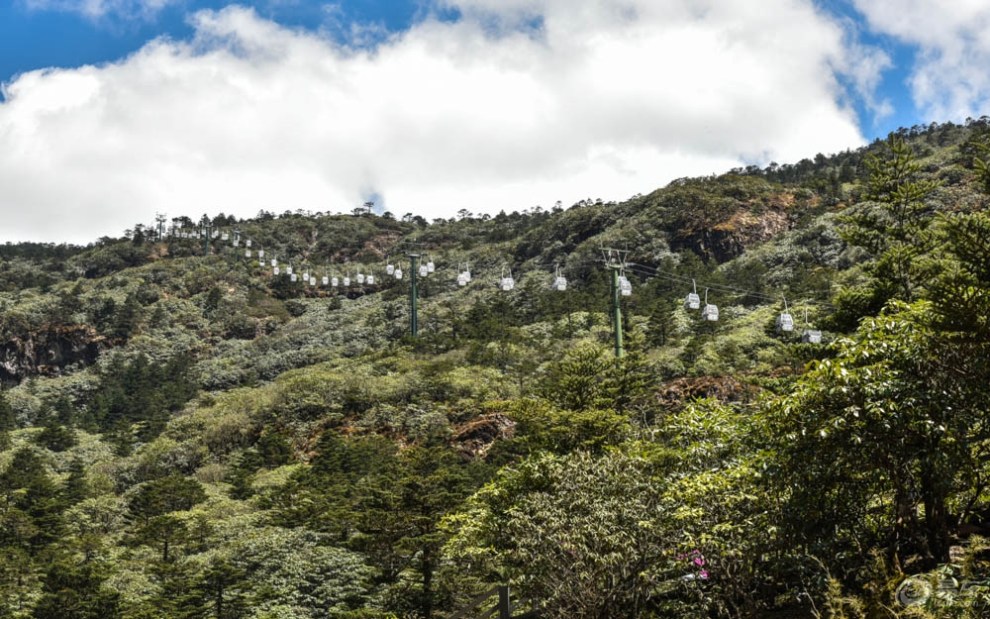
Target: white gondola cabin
(397, 273)
(370, 280)
(692, 301)
(423, 271)
(710, 311)
(559, 281)
(507, 283)
(809, 335)
(625, 286)
(785, 322)
(360, 278)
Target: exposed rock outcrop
(477, 436)
(48, 351)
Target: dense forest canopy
(187, 432)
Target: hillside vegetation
(184, 433)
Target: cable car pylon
(615, 261)
(413, 294)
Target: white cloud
(950, 78)
(99, 9)
(591, 99)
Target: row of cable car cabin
(693, 301)
(785, 324)
(709, 312)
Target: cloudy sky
(113, 110)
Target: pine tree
(8, 421)
(74, 590)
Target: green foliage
(893, 226)
(74, 590)
(542, 427)
(895, 414)
(586, 536)
(185, 436)
(163, 496)
(589, 377)
(56, 437)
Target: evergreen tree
(74, 590)
(27, 487)
(7, 421)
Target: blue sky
(115, 109)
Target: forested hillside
(190, 429)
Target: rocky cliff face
(726, 235)
(47, 352)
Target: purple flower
(703, 574)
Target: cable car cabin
(507, 284)
(625, 287)
(235, 242)
(225, 237)
(275, 271)
(785, 322)
(247, 243)
(326, 280)
(334, 282)
(306, 277)
(274, 262)
(261, 263)
(370, 280)
(293, 277)
(811, 336)
(692, 302)
(288, 270)
(462, 280)
(710, 312)
(360, 278)
(397, 273)
(347, 281)
(560, 283)
(430, 267)
(247, 253)
(423, 271)
(389, 269)
(261, 252)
